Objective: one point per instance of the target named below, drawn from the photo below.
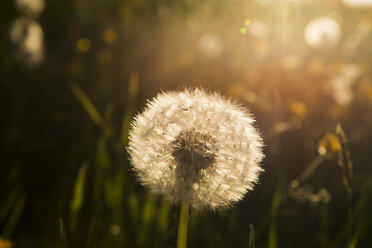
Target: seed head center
(194, 150)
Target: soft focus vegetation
(73, 73)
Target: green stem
(182, 226)
(310, 169)
(349, 218)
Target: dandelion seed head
(340, 87)
(196, 148)
(32, 8)
(27, 35)
(358, 3)
(322, 32)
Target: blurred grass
(251, 242)
(62, 233)
(272, 230)
(14, 216)
(129, 112)
(87, 104)
(78, 196)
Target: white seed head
(196, 148)
(322, 32)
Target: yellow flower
(298, 108)
(329, 145)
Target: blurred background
(73, 73)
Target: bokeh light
(257, 29)
(322, 32)
(358, 3)
(340, 87)
(32, 8)
(210, 45)
(83, 45)
(110, 36)
(27, 36)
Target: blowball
(195, 148)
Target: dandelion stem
(182, 226)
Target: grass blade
(252, 242)
(14, 216)
(62, 234)
(272, 237)
(78, 196)
(7, 204)
(87, 104)
(148, 212)
(164, 217)
(129, 112)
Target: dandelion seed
(27, 36)
(32, 8)
(197, 149)
(358, 3)
(322, 32)
(340, 87)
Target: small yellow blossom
(329, 145)
(298, 108)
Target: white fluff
(196, 148)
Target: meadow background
(74, 72)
